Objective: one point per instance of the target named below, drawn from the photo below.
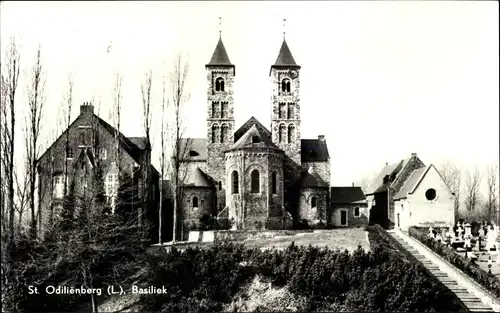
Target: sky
(380, 79)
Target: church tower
(220, 117)
(285, 119)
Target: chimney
(386, 163)
(321, 137)
(413, 155)
(86, 109)
(353, 184)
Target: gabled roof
(285, 57)
(314, 150)
(194, 149)
(220, 57)
(246, 126)
(345, 195)
(197, 178)
(412, 181)
(380, 183)
(254, 138)
(311, 179)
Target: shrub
(208, 280)
(489, 281)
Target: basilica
(253, 176)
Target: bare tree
(146, 107)
(10, 81)
(162, 160)
(366, 181)
(452, 176)
(178, 96)
(36, 100)
(472, 192)
(117, 107)
(67, 108)
(492, 192)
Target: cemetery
(473, 251)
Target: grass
(348, 238)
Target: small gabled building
(348, 207)
(424, 200)
(387, 184)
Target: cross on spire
(220, 26)
(284, 27)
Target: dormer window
(193, 153)
(285, 85)
(255, 139)
(219, 84)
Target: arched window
(291, 133)
(274, 183)
(195, 202)
(224, 133)
(215, 133)
(285, 85)
(219, 84)
(235, 182)
(282, 133)
(255, 181)
(314, 202)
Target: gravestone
(468, 230)
(431, 233)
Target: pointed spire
(285, 57)
(220, 57)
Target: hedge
(209, 279)
(485, 279)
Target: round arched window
(431, 194)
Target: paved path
(442, 272)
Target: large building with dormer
(256, 177)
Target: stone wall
(352, 221)
(413, 163)
(322, 168)
(257, 206)
(292, 98)
(308, 213)
(215, 162)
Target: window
(431, 194)
(220, 185)
(224, 109)
(219, 84)
(193, 153)
(58, 186)
(285, 85)
(356, 212)
(290, 112)
(224, 133)
(69, 153)
(255, 139)
(235, 183)
(215, 109)
(291, 133)
(195, 202)
(282, 110)
(110, 184)
(255, 181)
(274, 183)
(314, 202)
(103, 153)
(215, 133)
(282, 133)
(83, 181)
(81, 138)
